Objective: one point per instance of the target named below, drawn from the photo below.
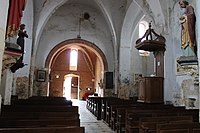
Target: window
(142, 29)
(143, 25)
(73, 59)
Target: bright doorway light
(67, 87)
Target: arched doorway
(71, 86)
(90, 69)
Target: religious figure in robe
(20, 42)
(21, 34)
(188, 20)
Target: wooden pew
(111, 103)
(124, 119)
(46, 97)
(38, 115)
(44, 130)
(113, 111)
(90, 105)
(38, 108)
(192, 112)
(113, 119)
(41, 100)
(96, 105)
(104, 103)
(123, 113)
(148, 124)
(121, 116)
(132, 118)
(10, 123)
(178, 128)
(119, 110)
(56, 114)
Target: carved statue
(188, 21)
(20, 42)
(20, 39)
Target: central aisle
(89, 121)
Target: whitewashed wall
(63, 25)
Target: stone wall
(109, 93)
(123, 91)
(40, 88)
(187, 87)
(22, 87)
(129, 89)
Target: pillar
(3, 14)
(197, 34)
(6, 86)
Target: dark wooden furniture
(41, 115)
(178, 128)
(72, 129)
(148, 124)
(156, 44)
(133, 116)
(151, 90)
(47, 122)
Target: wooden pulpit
(151, 88)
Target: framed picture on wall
(41, 75)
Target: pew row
(148, 124)
(43, 130)
(178, 128)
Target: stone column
(124, 72)
(3, 14)
(198, 33)
(6, 86)
(198, 27)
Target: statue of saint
(188, 21)
(20, 42)
(20, 39)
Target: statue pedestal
(11, 54)
(187, 60)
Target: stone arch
(45, 15)
(127, 35)
(81, 45)
(79, 42)
(53, 6)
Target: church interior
(94, 66)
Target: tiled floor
(89, 121)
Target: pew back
(44, 130)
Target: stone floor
(89, 121)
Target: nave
(91, 124)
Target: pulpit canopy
(151, 41)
